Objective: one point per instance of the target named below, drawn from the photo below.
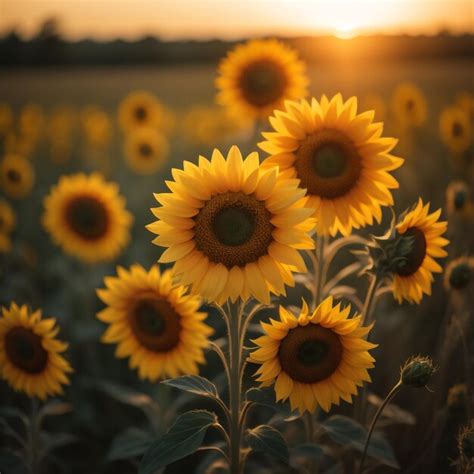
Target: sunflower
(86, 216)
(233, 229)
(30, 355)
(409, 105)
(6, 118)
(154, 323)
(17, 176)
(314, 359)
(258, 76)
(455, 125)
(415, 275)
(339, 156)
(465, 100)
(146, 150)
(5, 243)
(459, 273)
(459, 199)
(96, 126)
(7, 217)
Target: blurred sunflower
(455, 129)
(154, 323)
(30, 355)
(17, 176)
(7, 217)
(459, 273)
(409, 105)
(258, 76)
(233, 229)
(31, 122)
(61, 133)
(465, 101)
(459, 200)
(375, 102)
(415, 275)
(86, 216)
(339, 156)
(146, 150)
(96, 126)
(6, 118)
(314, 359)
(5, 243)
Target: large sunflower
(339, 156)
(409, 105)
(17, 176)
(256, 77)
(7, 217)
(30, 354)
(146, 150)
(86, 216)
(415, 276)
(455, 125)
(316, 358)
(154, 323)
(233, 229)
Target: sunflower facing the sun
(233, 229)
(86, 216)
(315, 359)
(414, 277)
(258, 76)
(455, 129)
(409, 105)
(154, 323)
(339, 156)
(30, 355)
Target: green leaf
(193, 384)
(347, 432)
(266, 396)
(308, 450)
(130, 443)
(124, 394)
(181, 440)
(50, 441)
(269, 440)
(8, 411)
(392, 412)
(55, 408)
(12, 463)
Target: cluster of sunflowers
(238, 232)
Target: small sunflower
(233, 229)
(459, 273)
(86, 216)
(6, 118)
(7, 217)
(314, 359)
(96, 126)
(30, 354)
(258, 76)
(415, 276)
(146, 150)
(339, 156)
(5, 243)
(459, 199)
(17, 176)
(455, 129)
(465, 101)
(31, 121)
(154, 323)
(409, 105)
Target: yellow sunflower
(17, 176)
(30, 355)
(96, 126)
(314, 359)
(459, 273)
(86, 216)
(459, 199)
(258, 76)
(339, 156)
(146, 150)
(415, 276)
(465, 100)
(233, 229)
(154, 323)
(409, 105)
(5, 243)
(455, 129)
(6, 118)
(7, 217)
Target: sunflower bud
(466, 441)
(459, 273)
(417, 371)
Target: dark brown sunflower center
(25, 351)
(145, 150)
(155, 323)
(328, 164)
(460, 199)
(310, 353)
(410, 105)
(87, 217)
(417, 254)
(460, 276)
(262, 83)
(140, 113)
(233, 229)
(457, 129)
(14, 176)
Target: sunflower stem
(33, 438)
(321, 277)
(381, 408)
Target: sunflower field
(259, 265)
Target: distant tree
(49, 31)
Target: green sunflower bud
(466, 441)
(417, 371)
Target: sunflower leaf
(54, 408)
(347, 432)
(181, 440)
(193, 384)
(269, 440)
(266, 396)
(128, 444)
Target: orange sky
(233, 18)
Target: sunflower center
(328, 164)
(417, 254)
(87, 217)
(155, 323)
(145, 150)
(460, 199)
(13, 176)
(24, 349)
(140, 113)
(457, 129)
(410, 105)
(262, 83)
(311, 353)
(233, 229)
(460, 276)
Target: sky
(130, 19)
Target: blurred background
(65, 68)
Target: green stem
(381, 408)
(321, 277)
(33, 448)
